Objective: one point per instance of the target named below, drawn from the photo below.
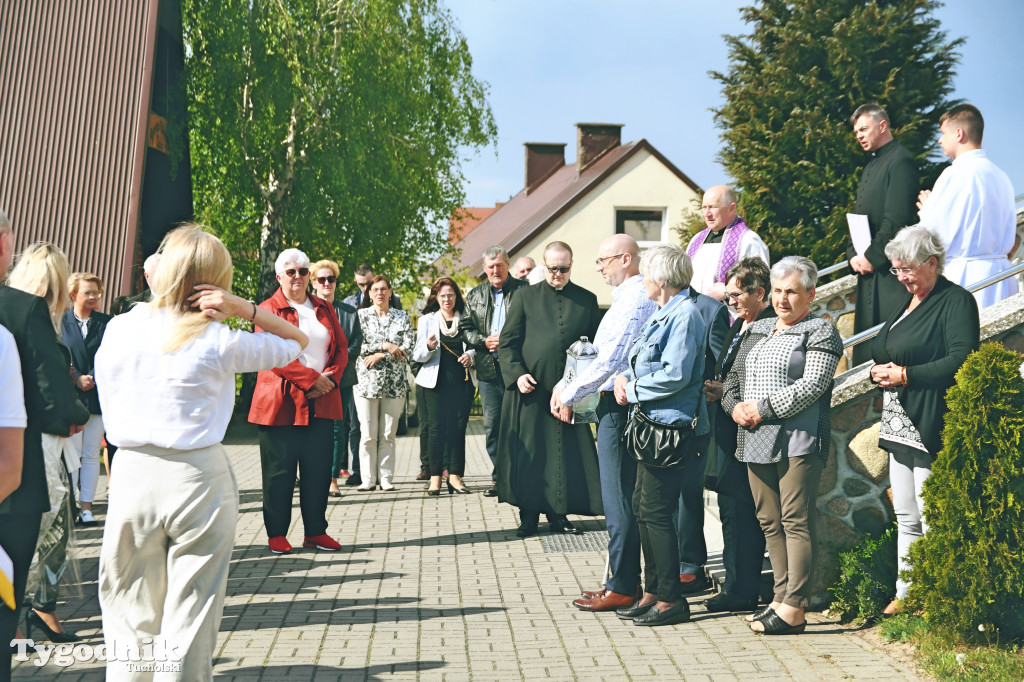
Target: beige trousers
(378, 424)
(167, 542)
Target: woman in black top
(917, 354)
(747, 291)
(448, 382)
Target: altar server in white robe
(971, 208)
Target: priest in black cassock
(544, 464)
(887, 195)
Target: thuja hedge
(968, 570)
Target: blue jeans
(689, 517)
(491, 395)
(618, 479)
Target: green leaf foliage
(793, 83)
(336, 127)
(968, 569)
(867, 578)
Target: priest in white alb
(971, 208)
(725, 242)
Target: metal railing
(832, 268)
(867, 334)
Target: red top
(280, 396)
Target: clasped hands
(746, 414)
(887, 375)
(388, 350)
(322, 386)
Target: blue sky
(553, 63)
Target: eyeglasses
(379, 290)
(903, 271)
(735, 294)
(329, 279)
(602, 261)
(302, 272)
(90, 294)
(558, 268)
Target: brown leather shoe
(609, 601)
(588, 594)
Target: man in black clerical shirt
(886, 195)
(544, 464)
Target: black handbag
(658, 445)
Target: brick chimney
(542, 160)
(593, 140)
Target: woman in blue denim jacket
(666, 367)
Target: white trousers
(378, 424)
(167, 543)
(89, 442)
(907, 473)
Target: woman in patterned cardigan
(785, 420)
(380, 393)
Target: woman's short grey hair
(797, 265)
(294, 256)
(915, 245)
(668, 265)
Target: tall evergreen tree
(792, 84)
(334, 125)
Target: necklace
(457, 356)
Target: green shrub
(867, 579)
(968, 570)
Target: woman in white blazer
(448, 379)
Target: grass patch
(946, 657)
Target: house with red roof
(611, 187)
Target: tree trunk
(270, 248)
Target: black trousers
(655, 501)
(743, 551)
(447, 415)
(18, 535)
(283, 449)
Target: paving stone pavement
(429, 588)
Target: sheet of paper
(860, 232)
(6, 579)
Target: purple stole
(730, 253)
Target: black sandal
(774, 625)
(761, 615)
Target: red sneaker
(279, 545)
(324, 542)
(344, 473)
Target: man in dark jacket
(486, 307)
(886, 195)
(51, 407)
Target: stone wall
(853, 496)
(835, 302)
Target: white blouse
(181, 400)
(314, 355)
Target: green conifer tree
(968, 570)
(792, 84)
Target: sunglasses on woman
(302, 272)
(329, 279)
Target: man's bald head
(618, 259)
(719, 207)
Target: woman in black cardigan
(917, 354)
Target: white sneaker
(85, 518)
(367, 486)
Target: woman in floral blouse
(380, 394)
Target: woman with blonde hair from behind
(166, 378)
